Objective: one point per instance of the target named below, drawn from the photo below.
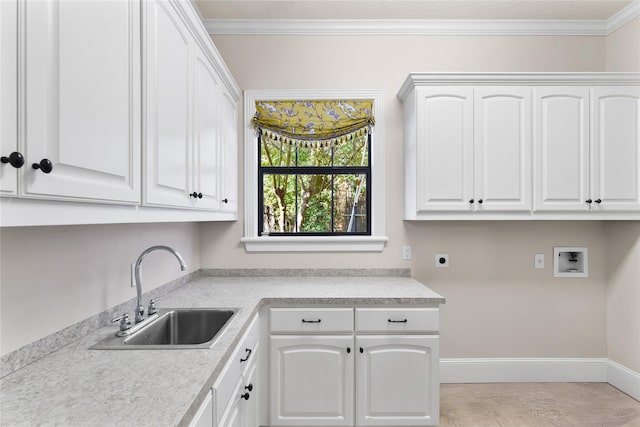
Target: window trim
(360, 243)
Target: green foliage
(314, 202)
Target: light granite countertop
(76, 386)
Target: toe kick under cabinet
(362, 366)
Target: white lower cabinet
(204, 416)
(235, 394)
(357, 376)
(312, 380)
(397, 380)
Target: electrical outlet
(539, 261)
(442, 260)
(406, 252)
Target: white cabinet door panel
(311, 380)
(8, 94)
(615, 139)
(561, 154)
(206, 136)
(82, 100)
(168, 80)
(397, 380)
(229, 156)
(444, 166)
(502, 148)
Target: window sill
(315, 244)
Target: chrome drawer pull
(311, 321)
(397, 321)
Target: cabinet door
(206, 134)
(204, 417)
(232, 416)
(229, 156)
(561, 148)
(502, 149)
(168, 85)
(397, 380)
(82, 102)
(8, 94)
(311, 380)
(249, 407)
(444, 166)
(615, 142)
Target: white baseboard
(540, 370)
(624, 379)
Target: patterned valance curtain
(313, 123)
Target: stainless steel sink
(174, 329)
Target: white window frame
(254, 243)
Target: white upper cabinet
(207, 150)
(472, 149)
(443, 170)
(229, 156)
(122, 112)
(167, 105)
(81, 100)
(191, 136)
(522, 146)
(615, 155)
(12, 159)
(561, 157)
(502, 149)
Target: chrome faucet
(139, 307)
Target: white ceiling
(412, 9)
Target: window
(315, 191)
(315, 185)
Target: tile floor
(537, 405)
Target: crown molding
(625, 15)
(438, 27)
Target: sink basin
(174, 329)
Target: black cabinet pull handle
(45, 165)
(245, 396)
(15, 159)
(348, 349)
(249, 387)
(471, 201)
(225, 200)
(588, 201)
(598, 201)
(361, 350)
(248, 350)
(311, 321)
(397, 321)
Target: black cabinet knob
(471, 201)
(348, 349)
(588, 201)
(361, 350)
(15, 159)
(598, 201)
(225, 200)
(45, 165)
(480, 201)
(196, 195)
(245, 396)
(249, 387)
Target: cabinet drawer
(402, 320)
(243, 355)
(311, 320)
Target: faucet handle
(125, 323)
(152, 306)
